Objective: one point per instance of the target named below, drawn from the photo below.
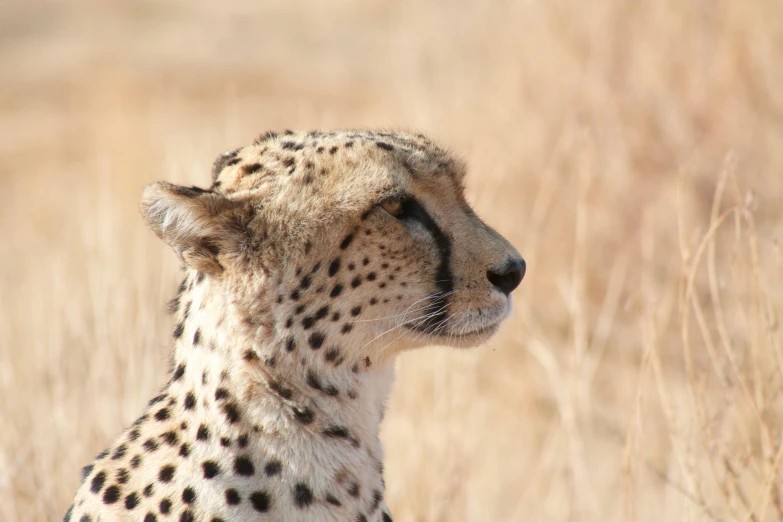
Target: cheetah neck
(255, 389)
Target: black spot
(356, 310)
(231, 412)
(356, 282)
(244, 466)
(165, 506)
(383, 145)
(119, 452)
(289, 322)
(272, 468)
(321, 313)
(133, 434)
(292, 146)
(308, 322)
(299, 309)
(313, 381)
(336, 316)
(178, 330)
(348, 144)
(221, 393)
(243, 441)
(69, 513)
(280, 389)
(303, 497)
(210, 468)
(304, 415)
(149, 490)
(373, 301)
(150, 445)
(353, 489)
(377, 496)
(316, 340)
(135, 461)
(337, 432)
(184, 450)
(251, 168)
(162, 414)
(166, 473)
(178, 373)
(332, 150)
(332, 354)
(260, 501)
(225, 442)
(371, 276)
(295, 295)
(217, 519)
(331, 391)
(202, 433)
(334, 266)
(190, 401)
(250, 355)
(232, 497)
(131, 501)
(86, 470)
(319, 150)
(97, 482)
(361, 518)
(347, 327)
(333, 500)
(351, 266)
(346, 241)
(111, 495)
(123, 475)
(196, 337)
(337, 290)
(188, 495)
(290, 344)
(149, 517)
(171, 438)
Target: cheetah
(312, 261)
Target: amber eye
(393, 207)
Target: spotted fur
(312, 260)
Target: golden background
(631, 150)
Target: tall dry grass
(630, 150)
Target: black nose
(509, 277)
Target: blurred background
(631, 151)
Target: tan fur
(300, 290)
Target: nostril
(509, 277)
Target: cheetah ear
(204, 228)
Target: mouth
(481, 333)
(484, 331)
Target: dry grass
(630, 150)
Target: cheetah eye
(393, 207)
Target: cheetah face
(447, 276)
(362, 236)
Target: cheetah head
(360, 235)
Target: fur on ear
(201, 226)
